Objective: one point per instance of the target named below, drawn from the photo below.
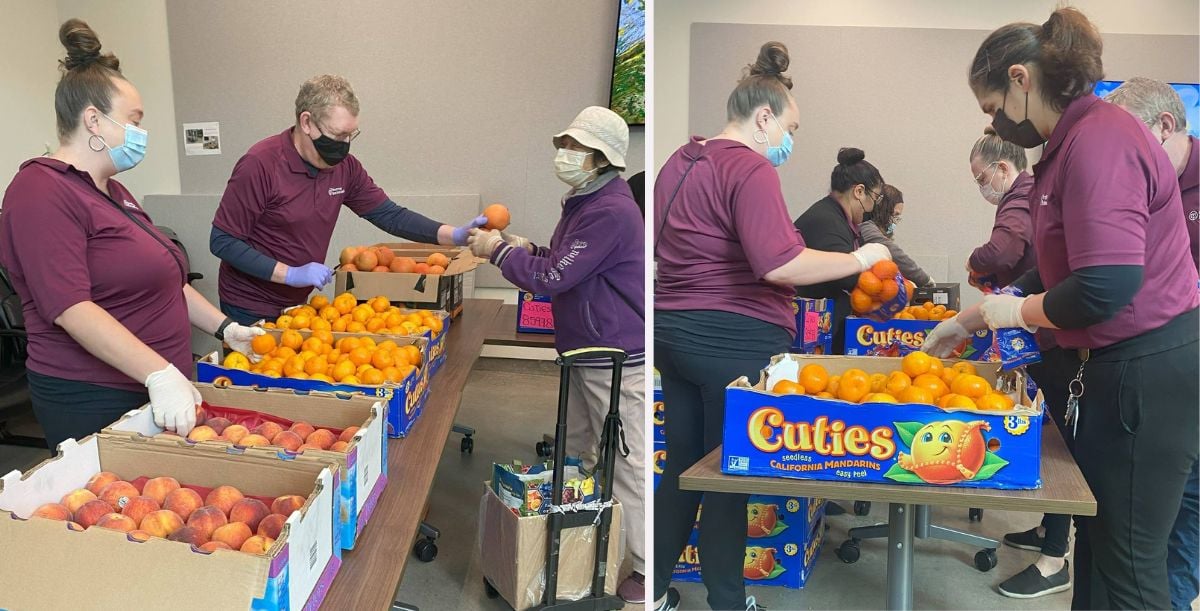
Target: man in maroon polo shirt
(275, 220)
(1158, 105)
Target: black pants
(694, 394)
(1135, 444)
(1052, 374)
(244, 317)
(68, 409)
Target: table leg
(901, 525)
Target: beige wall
(135, 30)
(458, 98)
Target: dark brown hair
(854, 169)
(1066, 49)
(87, 78)
(883, 212)
(762, 83)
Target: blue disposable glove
(462, 233)
(309, 274)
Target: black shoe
(1029, 540)
(1030, 583)
(672, 601)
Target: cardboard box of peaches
(114, 522)
(419, 276)
(346, 430)
(910, 420)
(393, 369)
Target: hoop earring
(764, 140)
(95, 137)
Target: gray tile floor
(510, 404)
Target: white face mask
(568, 166)
(985, 189)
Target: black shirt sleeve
(1092, 295)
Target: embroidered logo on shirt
(578, 245)
(1193, 216)
(336, 191)
(1045, 199)
(129, 204)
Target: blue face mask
(132, 152)
(891, 230)
(779, 154)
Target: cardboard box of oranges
(437, 286)
(362, 421)
(56, 562)
(345, 316)
(900, 336)
(910, 420)
(393, 369)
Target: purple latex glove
(462, 233)
(310, 274)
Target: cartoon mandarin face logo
(761, 519)
(947, 451)
(760, 563)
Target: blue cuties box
(807, 437)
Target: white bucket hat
(599, 128)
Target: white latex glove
(484, 242)
(870, 255)
(515, 240)
(1004, 312)
(173, 400)
(238, 337)
(945, 337)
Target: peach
(116, 521)
(254, 440)
(348, 434)
(201, 415)
(366, 260)
(206, 520)
(169, 436)
(161, 523)
(286, 504)
(139, 535)
(321, 438)
(339, 446)
(308, 446)
(385, 255)
(75, 526)
(91, 512)
(289, 440)
(250, 512)
(159, 487)
(139, 507)
(75, 499)
(268, 429)
(218, 424)
(53, 511)
(233, 534)
(183, 502)
(213, 546)
(302, 428)
(257, 544)
(189, 535)
(203, 433)
(118, 493)
(98, 481)
(235, 432)
(223, 498)
(272, 525)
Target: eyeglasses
(979, 176)
(896, 218)
(345, 138)
(875, 197)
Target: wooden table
(371, 572)
(1063, 491)
(503, 332)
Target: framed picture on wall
(628, 91)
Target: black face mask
(331, 151)
(1022, 134)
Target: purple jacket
(1009, 253)
(594, 270)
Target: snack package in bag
(1017, 347)
(527, 489)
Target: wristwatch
(220, 334)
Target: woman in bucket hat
(594, 270)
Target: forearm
(408, 224)
(108, 340)
(242, 256)
(1089, 296)
(202, 314)
(1034, 312)
(813, 267)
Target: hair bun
(83, 46)
(850, 156)
(989, 131)
(773, 60)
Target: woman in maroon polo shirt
(728, 260)
(1116, 284)
(104, 293)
